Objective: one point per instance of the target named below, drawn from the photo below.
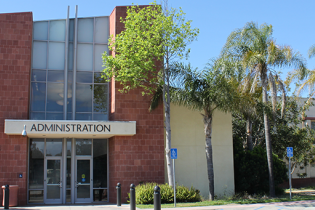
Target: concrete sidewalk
(296, 205)
(74, 207)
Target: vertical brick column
(15, 65)
(138, 158)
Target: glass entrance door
(67, 171)
(53, 180)
(83, 180)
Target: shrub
(183, 194)
(144, 193)
(167, 193)
(251, 171)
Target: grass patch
(235, 200)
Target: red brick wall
(138, 158)
(298, 183)
(15, 65)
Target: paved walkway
(73, 207)
(297, 205)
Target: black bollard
(6, 197)
(132, 197)
(157, 198)
(118, 187)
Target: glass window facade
(85, 172)
(48, 70)
(66, 84)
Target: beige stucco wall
(189, 139)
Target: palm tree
(246, 85)
(205, 91)
(250, 89)
(258, 52)
(249, 112)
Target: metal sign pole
(289, 155)
(174, 183)
(290, 177)
(174, 156)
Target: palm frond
(254, 84)
(286, 57)
(311, 51)
(273, 91)
(245, 84)
(284, 98)
(156, 99)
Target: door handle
(76, 184)
(60, 184)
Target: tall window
(48, 70)
(91, 89)
(48, 66)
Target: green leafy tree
(285, 132)
(257, 51)
(147, 51)
(251, 170)
(99, 94)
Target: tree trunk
(167, 110)
(207, 120)
(249, 137)
(268, 137)
(168, 146)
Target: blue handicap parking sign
(289, 151)
(174, 153)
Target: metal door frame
(63, 169)
(53, 201)
(83, 200)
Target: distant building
(82, 135)
(309, 120)
(304, 176)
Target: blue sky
(293, 21)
